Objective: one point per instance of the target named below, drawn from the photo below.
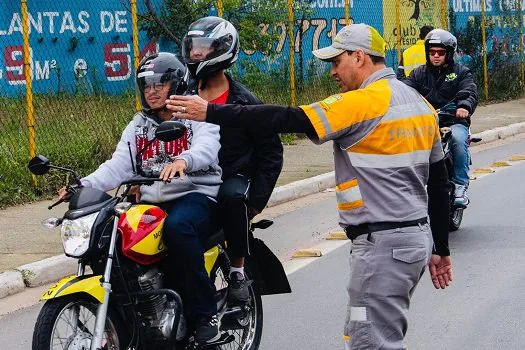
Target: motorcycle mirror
(170, 130)
(39, 165)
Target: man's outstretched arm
(267, 118)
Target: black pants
(189, 220)
(233, 214)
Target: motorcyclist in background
(439, 81)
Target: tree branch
(165, 29)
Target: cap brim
(327, 53)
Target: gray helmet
(158, 69)
(215, 36)
(441, 38)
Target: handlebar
(56, 203)
(71, 190)
(141, 180)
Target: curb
(301, 188)
(48, 270)
(500, 133)
(11, 282)
(52, 269)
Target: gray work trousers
(384, 272)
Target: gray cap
(354, 37)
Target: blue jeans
(460, 154)
(189, 221)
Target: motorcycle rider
(439, 81)
(250, 163)
(188, 200)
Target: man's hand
(440, 271)
(62, 193)
(171, 170)
(135, 190)
(188, 107)
(462, 113)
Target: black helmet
(441, 38)
(219, 41)
(160, 68)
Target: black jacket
(440, 85)
(257, 155)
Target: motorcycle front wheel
(68, 323)
(456, 216)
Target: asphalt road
(483, 309)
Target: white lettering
(119, 21)
(106, 27)
(51, 16)
(331, 3)
(67, 23)
(42, 73)
(16, 24)
(458, 6)
(82, 17)
(37, 25)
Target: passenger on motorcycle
(439, 81)
(189, 200)
(250, 163)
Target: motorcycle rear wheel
(247, 330)
(55, 327)
(456, 216)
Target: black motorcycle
(446, 115)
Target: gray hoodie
(199, 148)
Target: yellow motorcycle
(123, 303)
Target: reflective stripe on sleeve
(381, 161)
(407, 111)
(322, 116)
(348, 195)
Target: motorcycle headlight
(76, 234)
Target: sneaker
(238, 288)
(208, 330)
(461, 197)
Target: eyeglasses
(439, 52)
(155, 86)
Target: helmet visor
(198, 49)
(153, 88)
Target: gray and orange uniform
(386, 148)
(385, 138)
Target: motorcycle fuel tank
(141, 229)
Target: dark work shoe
(208, 330)
(238, 288)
